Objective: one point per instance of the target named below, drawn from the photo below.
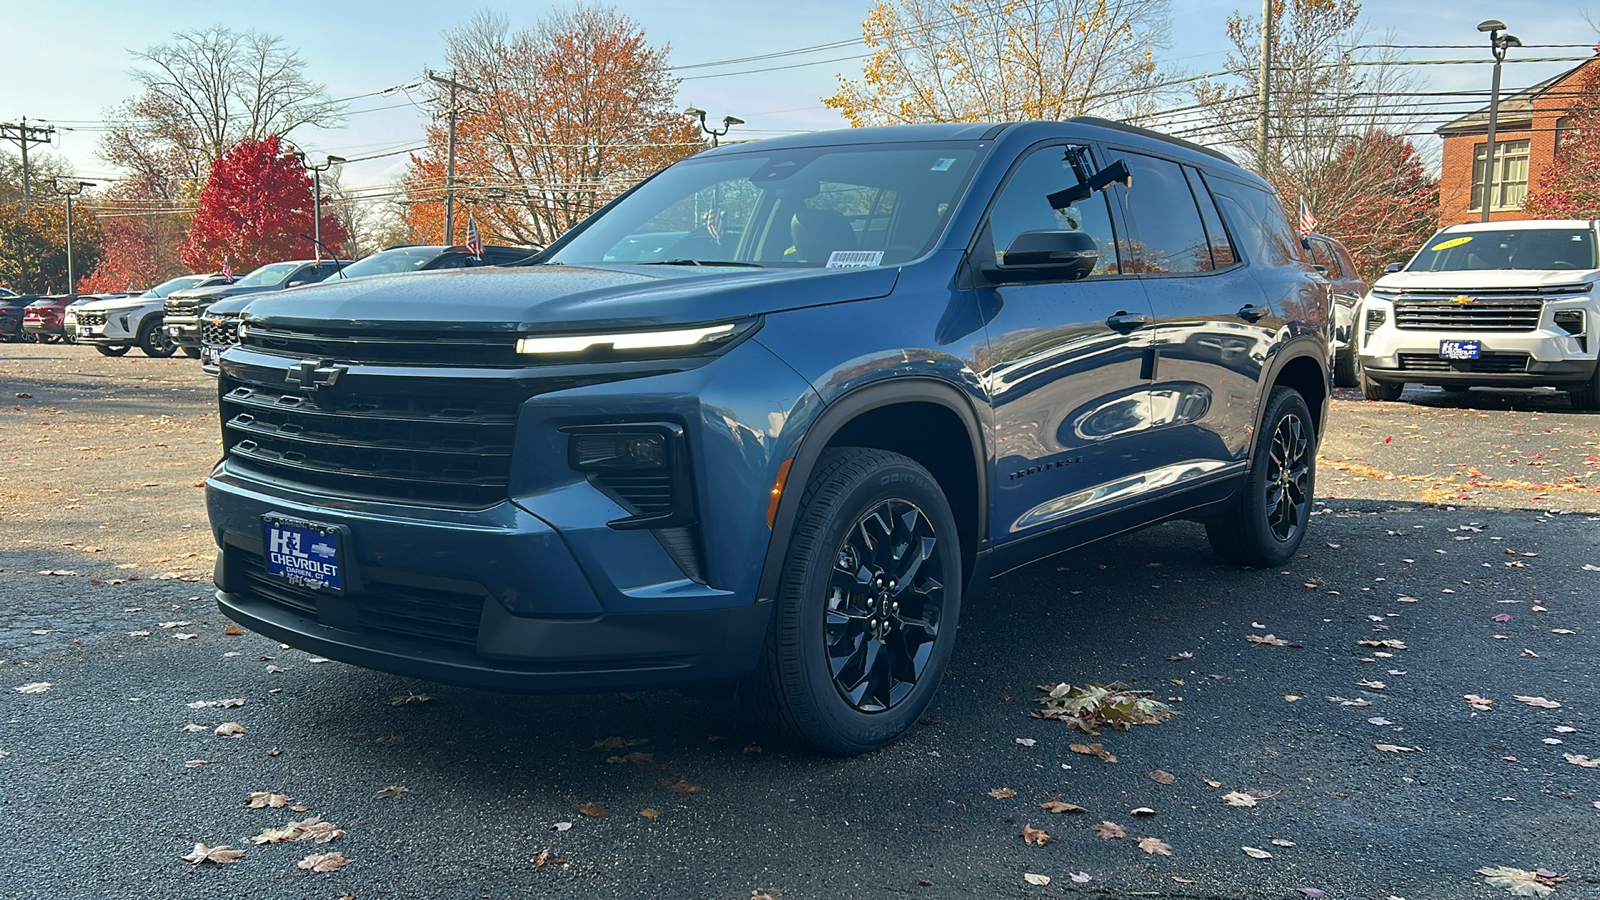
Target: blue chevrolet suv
(768, 417)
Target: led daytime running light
(642, 340)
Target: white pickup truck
(1497, 304)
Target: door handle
(1254, 313)
(1126, 321)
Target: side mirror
(1047, 256)
(1321, 269)
(1393, 267)
(297, 282)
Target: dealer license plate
(174, 330)
(213, 355)
(303, 553)
(1459, 349)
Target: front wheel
(1380, 390)
(1267, 520)
(154, 340)
(1346, 373)
(867, 608)
(111, 349)
(191, 352)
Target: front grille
(443, 444)
(449, 616)
(219, 331)
(91, 319)
(1487, 364)
(1435, 311)
(404, 348)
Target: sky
(73, 58)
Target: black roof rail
(1153, 135)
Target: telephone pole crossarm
(450, 154)
(23, 134)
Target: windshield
(1513, 248)
(272, 273)
(807, 207)
(390, 262)
(174, 284)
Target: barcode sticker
(854, 259)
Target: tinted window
(1257, 222)
(1222, 255)
(271, 273)
(1023, 205)
(1168, 235)
(1321, 255)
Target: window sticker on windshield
(1456, 242)
(854, 259)
(942, 165)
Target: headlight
(243, 330)
(676, 342)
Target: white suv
(1504, 304)
(116, 325)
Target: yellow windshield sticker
(1454, 242)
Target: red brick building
(1529, 128)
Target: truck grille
(1438, 311)
(419, 348)
(219, 331)
(1487, 364)
(91, 319)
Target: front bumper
(1546, 356)
(183, 329)
(113, 332)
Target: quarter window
(1222, 255)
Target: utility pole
(450, 154)
(24, 134)
(1264, 89)
(70, 190)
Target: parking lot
(1456, 552)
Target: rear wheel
(154, 340)
(1267, 520)
(191, 352)
(112, 349)
(1380, 390)
(867, 608)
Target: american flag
(227, 271)
(474, 239)
(1308, 221)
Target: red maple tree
(1378, 200)
(1568, 188)
(255, 209)
(140, 234)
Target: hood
(1484, 279)
(570, 298)
(119, 303)
(232, 304)
(212, 294)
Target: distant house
(1528, 132)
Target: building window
(1510, 175)
(1565, 128)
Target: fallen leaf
(265, 799)
(196, 763)
(1562, 631)
(408, 699)
(1037, 837)
(1312, 893)
(1519, 882)
(1579, 759)
(1002, 793)
(1379, 720)
(1390, 644)
(393, 791)
(1109, 830)
(36, 687)
(1396, 748)
(311, 829)
(1280, 842)
(1271, 640)
(1481, 704)
(220, 855)
(324, 862)
(1141, 811)
(1238, 798)
(561, 826)
(1256, 853)
(1540, 702)
(1154, 846)
(274, 752)
(230, 729)
(1161, 776)
(233, 631)
(540, 858)
(637, 758)
(1177, 657)
(1061, 806)
(192, 726)
(1080, 877)
(1369, 683)
(1093, 750)
(1564, 729)
(649, 813)
(1039, 880)
(1290, 698)
(389, 740)
(593, 810)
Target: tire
(858, 507)
(112, 349)
(1345, 373)
(191, 352)
(1586, 397)
(1380, 390)
(154, 340)
(1454, 388)
(1266, 522)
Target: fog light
(1570, 320)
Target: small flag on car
(474, 239)
(1308, 222)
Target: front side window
(1168, 235)
(391, 262)
(271, 273)
(1511, 248)
(1024, 205)
(1510, 175)
(806, 207)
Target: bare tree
(938, 61)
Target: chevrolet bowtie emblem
(313, 373)
(1461, 299)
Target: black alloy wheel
(1266, 521)
(154, 340)
(112, 349)
(191, 352)
(884, 607)
(866, 609)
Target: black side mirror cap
(1393, 267)
(1042, 255)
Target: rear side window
(1258, 223)
(1222, 255)
(1169, 237)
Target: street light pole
(72, 189)
(316, 195)
(1498, 44)
(727, 123)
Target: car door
(1064, 362)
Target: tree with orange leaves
(563, 118)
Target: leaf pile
(1115, 705)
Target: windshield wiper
(703, 262)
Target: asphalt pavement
(111, 773)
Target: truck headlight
(672, 342)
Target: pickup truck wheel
(191, 352)
(1587, 396)
(1267, 520)
(1380, 390)
(1345, 372)
(867, 607)
(112, 349)
(154, 340)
